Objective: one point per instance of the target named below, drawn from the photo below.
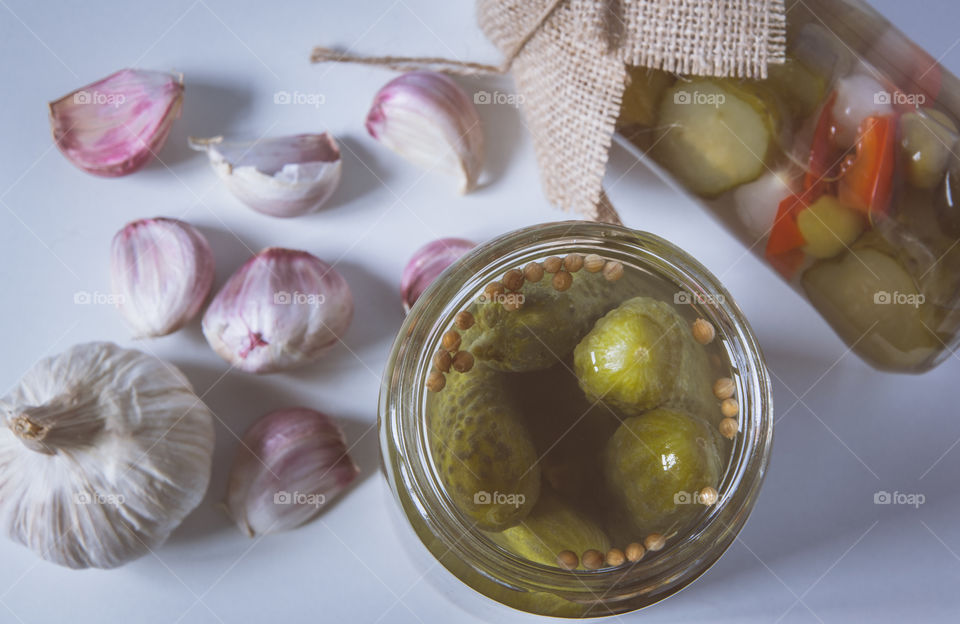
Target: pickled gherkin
(641, 355)
(547, 326)
(482, 450)
(655, 465)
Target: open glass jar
(458, 531)
(841, 169)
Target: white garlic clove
(112, 127)
(429, 120)
(281, 177)
(427, 263)
(282, 309)
(103, 452)
(290, 464)
(161, 271)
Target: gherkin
(642, 355)
(482, 449)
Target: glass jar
(840, 170)
(469, 554)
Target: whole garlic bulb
(103, 452)
(162, 271)
(282, 309)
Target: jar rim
(403, 429)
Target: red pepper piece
(823, 153)
(867, 183)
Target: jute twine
(569, 61)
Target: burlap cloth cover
(568, 59)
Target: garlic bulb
(115, 125)
(161, 270)
(428, 119)
(281, 177)
(280, 310)
(291, 463)
(427, 263)
(103, 452)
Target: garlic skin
(112, 127)
(427, 263)
(281, 177)
(429, 120)
(290, 464)
(162, 269)
(103, 453)
(282, 309)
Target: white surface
(816, 547)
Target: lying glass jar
(841, 169)
(518, 460)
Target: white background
(816, 547)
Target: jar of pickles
(576, 419)
(841, 169)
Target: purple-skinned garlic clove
(112, 127)
(290, 464)
(280, 310)
(430, 121)
(281, 177)
(427, 263)
(161, 271)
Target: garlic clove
(281, 177)
(427, 263)
(113, 126)
(103, 452)
(282, 309)
(290, 464)
(429, 120)
(162, 270)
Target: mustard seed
(442, 360)
(593, 263)
(703, 331)
(436, 381)
(635, 552)
(450, 340)
(463, 361)
(729, 408)
(533, 272)
(592, 559)
(724, 388)
(573, 262)
(613, 270)
(615, 557)
(552, 264)
(463, 320)
(493, 290)
(728, 428)
(568, 560)
(654, 542)
(562, 281)
(708, 496)
(513, 279)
